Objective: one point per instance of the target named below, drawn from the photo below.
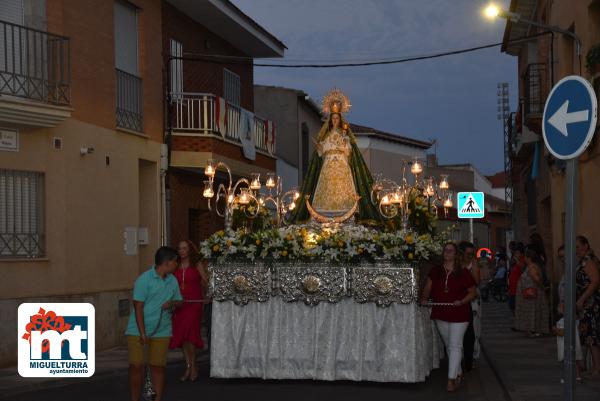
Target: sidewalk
(527, 368)
(112, 362)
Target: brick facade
(204, 76)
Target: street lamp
(492, 11)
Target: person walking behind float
(187, 319)
(471, 338)
(155, 294)
(449, 283)
(532, 310)
(516, 269)
(587, 280)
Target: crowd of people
(456, 286)
(168, 306)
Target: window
(129, 84)
(176, 67)
(21, 214)
(231, 87)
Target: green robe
(363, 181)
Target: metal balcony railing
(535, 89)
(34, 64)
(129, 101)
(199, 113)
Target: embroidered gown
(335, 191)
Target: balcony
(200, 114)
(129, 101)
(535, 82)
(34, 76)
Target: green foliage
(592, 59)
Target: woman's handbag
(529, 293)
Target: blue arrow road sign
(471, 205)
(569, 117)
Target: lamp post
(493, 11)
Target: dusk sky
(451, 99)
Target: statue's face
(335, 120)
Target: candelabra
(283, 202)
(393, 199)
(249, 193)
(228, 193)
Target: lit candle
(270, 180)
(385, 201)
(255, 183)
(208, 191)
(296, 195)
(210, 168)
(444, 182)
(417, 167)
(292, 206)
(244, 199)
(448, 201)
(396, 198)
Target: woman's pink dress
(188, 317)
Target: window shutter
(126, 46)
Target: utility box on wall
(131, 241)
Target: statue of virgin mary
(337, 180)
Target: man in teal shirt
(155, 294)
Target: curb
(496, 371)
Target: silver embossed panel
(310, 282)
(384, 284)
(240, 282)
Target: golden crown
(335, 102)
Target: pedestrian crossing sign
(470, 205)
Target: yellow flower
(216, 248)
(221, 233)
(423, 237)
(289, 237)
(340, 243)
(409, 239)
(229, 243)
(410, 255)
(360, 250)
(258, 242)
(284, 253)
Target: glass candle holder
(208, 190)
(271, 182)
(210, 168)
(244, 197)
(255, 181)
(416, 168)
(444, 182)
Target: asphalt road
(480, 385)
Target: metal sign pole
(570, 236)
(471, 234)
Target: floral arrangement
(351, 243)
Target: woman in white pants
(451, 290)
